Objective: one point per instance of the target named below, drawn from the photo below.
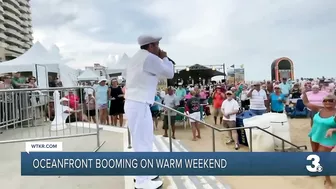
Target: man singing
(142, 76)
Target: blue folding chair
(300, 110)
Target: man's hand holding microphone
(162, 54)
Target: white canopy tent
(40, 61)
(111, 60)
(120, 66)
(88, 75)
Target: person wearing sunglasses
(323, 132)
(230, 108)
(277, 100)
(315, 96)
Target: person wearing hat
(142, 76)
(101, 95)
(230, 108)
(258, 100)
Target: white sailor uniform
(142, 75)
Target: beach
(299, 130)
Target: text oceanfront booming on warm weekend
(129, 163)
(176, 163)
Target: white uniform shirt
(142, 76)
(229, 106)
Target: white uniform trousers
(140, 124)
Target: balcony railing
(13, 24)
(26, 45)
(11, 8)
(30, 30)
(3, 36)
(12, 16)
(25, 31)
(2, 27)
(25, 9)
(25, 39)
(24, 24)
(15, 33)
(29, 17)
(2, 18)
(14, 41)
(15, 3)
(22, 2)
(2, 44)
(15, 49)
(1, 10)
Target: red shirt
(218, 100)
(73, 101)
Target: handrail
(222, 130)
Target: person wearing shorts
(101, 96)
(218, 98)
(230, 108)
(323, 133)
(194, 109)
(155, 110)
(171, 101)
(91, 107)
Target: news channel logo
(314, 166)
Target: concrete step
(161, 144)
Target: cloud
(212, 32)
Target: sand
(299, 131)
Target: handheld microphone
(171, 60)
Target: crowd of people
(261, 97)
(111, 100)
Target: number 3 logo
(315, 164)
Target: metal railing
(31, 114)
(250, 128)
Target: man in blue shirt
(285, 87)
(180, 92)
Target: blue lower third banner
(177, 163)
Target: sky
(206, 32)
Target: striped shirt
(257, 101)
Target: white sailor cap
(148, 39)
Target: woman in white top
(245, 101)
